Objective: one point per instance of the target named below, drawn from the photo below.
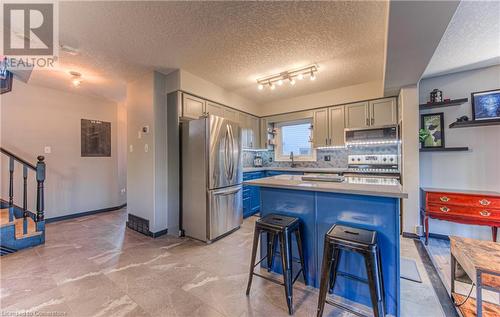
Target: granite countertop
(351, 185)
(460, 191)
(296, 169)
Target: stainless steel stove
(378, 165)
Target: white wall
(408, 106)
(369, 90)
(33, 117)
(146, 162)
(477, 169)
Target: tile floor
(94, 266)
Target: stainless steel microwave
(385, 134)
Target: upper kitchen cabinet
(371, 114)
(250, 128)
(357, 115)
(336, 126)
(328, 127)
(383, 112)
(192, 107)
(215, 109)
(320, 128)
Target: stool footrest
(352, 277)
(270, 279)
(297, 276)
(344, 307)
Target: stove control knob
(392, 159)
(385, 159)
(359, 160)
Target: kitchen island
(367, 203)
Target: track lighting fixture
(290, 75)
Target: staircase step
(31, 228)
(4, 216)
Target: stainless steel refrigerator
(212, 200)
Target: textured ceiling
(228, 43)
(472, 39)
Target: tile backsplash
(338, 157)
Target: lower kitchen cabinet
(251, 194)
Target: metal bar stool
(281, 228)
(343, 238)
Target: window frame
(278, 156)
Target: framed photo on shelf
(433, 123)
(485, 104)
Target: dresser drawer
(464, 211)
(488, 202)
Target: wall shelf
(445, 149)
(474, 123)
(449, 103)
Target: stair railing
(39, 169)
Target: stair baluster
(11, 188)
(40, 179)
(25, 199)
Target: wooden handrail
(39, 168)
(17, 158)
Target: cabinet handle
(326, 141)
(373, 121)
(330, 141)
(484, 202)
(485, 213)
(444, 209)
(367, 121)
(444, 199)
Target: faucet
(291, 158)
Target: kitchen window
(294, 136)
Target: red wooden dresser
(462, 206)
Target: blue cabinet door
(251, 194)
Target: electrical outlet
(327, 158)
(123, 190)
(131, 148)
(47, 149)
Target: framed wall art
(95, 138)
(433, 124)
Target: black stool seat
(278, 222)
(352, 237)
(278, 227)
(357, 240)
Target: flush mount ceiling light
(76, 78)
(289, 75)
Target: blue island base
(318, 212)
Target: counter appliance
(212, 175)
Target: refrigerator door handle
(227, 158)
(231, 149)
(227, 192)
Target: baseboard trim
(410, 235)
(158, 233)
(439, 236)
(83, 214)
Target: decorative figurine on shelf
(463, 119)
(436, 96)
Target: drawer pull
(444, 209)
(485, 213)
(484, 202)
(444, 199)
